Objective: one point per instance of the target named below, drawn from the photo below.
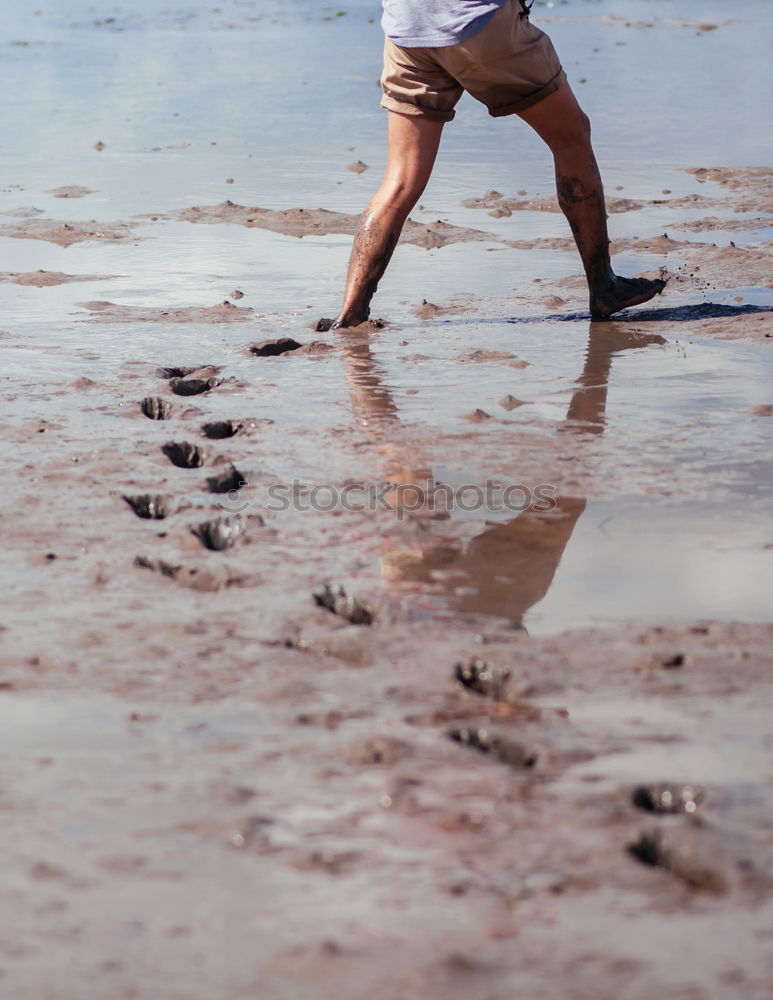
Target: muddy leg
(559, 120)
(413, 146)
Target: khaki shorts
(508, 66)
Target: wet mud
(504, 751)
(47, 279)
(110, 312)
(300, 222)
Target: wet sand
(256, 749)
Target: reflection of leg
(371, 396)
(511, 566)
(559, 120)
(588, 404)
(413, 146)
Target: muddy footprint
(665, 798)
(219, 429)
(273, 348)
(156, 408)
(150, 506)
(184, 455)
(339, 603)
(483, 678)
(502, 749)
(680, 853)
(192, 577)
(220, 533)
(227, 482)
(204, 371)
(158, 566)
(193, 386)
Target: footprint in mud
(150, 506)
(665, 798)
(184, 455)
(220, 533)
(273, 348)
(502, 749)
(484, 679)
(193, 386)
(203, 371)
(156, 408)
(219, 429)
(339, 603)
(158, 566)
(227, 482)
(680, 853)
(194, 578)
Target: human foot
(346, 320)
(620, 293)
(344, 323)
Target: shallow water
(189, 97)
(214, 789)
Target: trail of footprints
(681, 844)
(671, 848)
(218, 533)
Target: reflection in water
(504, 570)
(507, 568)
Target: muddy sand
(429, 659)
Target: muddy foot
(343, 323)
(622, 293)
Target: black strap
(526, 8)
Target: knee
(402, 192)
(576, 134)
(583, 128)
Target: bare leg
(559, 120)
(413, 146)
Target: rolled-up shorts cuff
(406, 108)
(527, 102)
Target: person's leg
(559, 120)
(413, 146)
